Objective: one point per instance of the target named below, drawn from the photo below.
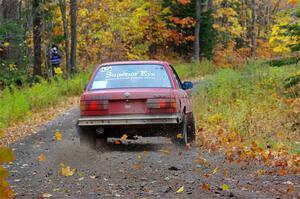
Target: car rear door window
(131, 76)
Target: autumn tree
(253, 23)
(11, 31)
(37, 37)
(73, 14)
(63, 9)
(197, 31)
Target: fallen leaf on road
(58, 136)
(42, 158)
(295, 170)
(216, 170)
(207, 175)
(260, 172)
(47, 195)
(198, 170)
(180, 190)
(225, 173)
(165, 152)
(137, 166)
(124, 138)
(282, 172)
(179, 136)
(205, 187)
(290, 189)
(225, 187)
(139, 157)
(66, 170)
(81, 178)
(202, 161)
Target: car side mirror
(187, 85)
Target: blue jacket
(55, 59)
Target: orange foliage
(237, 149)
(187, 22)
(184, 2)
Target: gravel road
(146, 168)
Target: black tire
(183, 130)
(87, 137)
(191, 131)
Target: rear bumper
(129, 120)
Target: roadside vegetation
(255, 102)
(252, 115)
(18, 104)
(194, 70)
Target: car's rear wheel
(191, 130)
(87, 136)
(186, 130)
(182, 131)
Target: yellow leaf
(206, 187)
(58, 136)
(42, 158)
(124, 138)
(216, 170)
(66, 170)
(47, 195)
(180, 190)
(58, 71)
(179, 136)
(1, 133)
(6, 44)
(225, 187)
(166, 152)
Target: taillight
(94, 105)
(161, 103)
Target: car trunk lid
(128, 101)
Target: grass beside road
(194, 70)
(18, 104)
(253, 103)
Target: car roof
(134, 62)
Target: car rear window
(131, 76)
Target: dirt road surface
(146, 168)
